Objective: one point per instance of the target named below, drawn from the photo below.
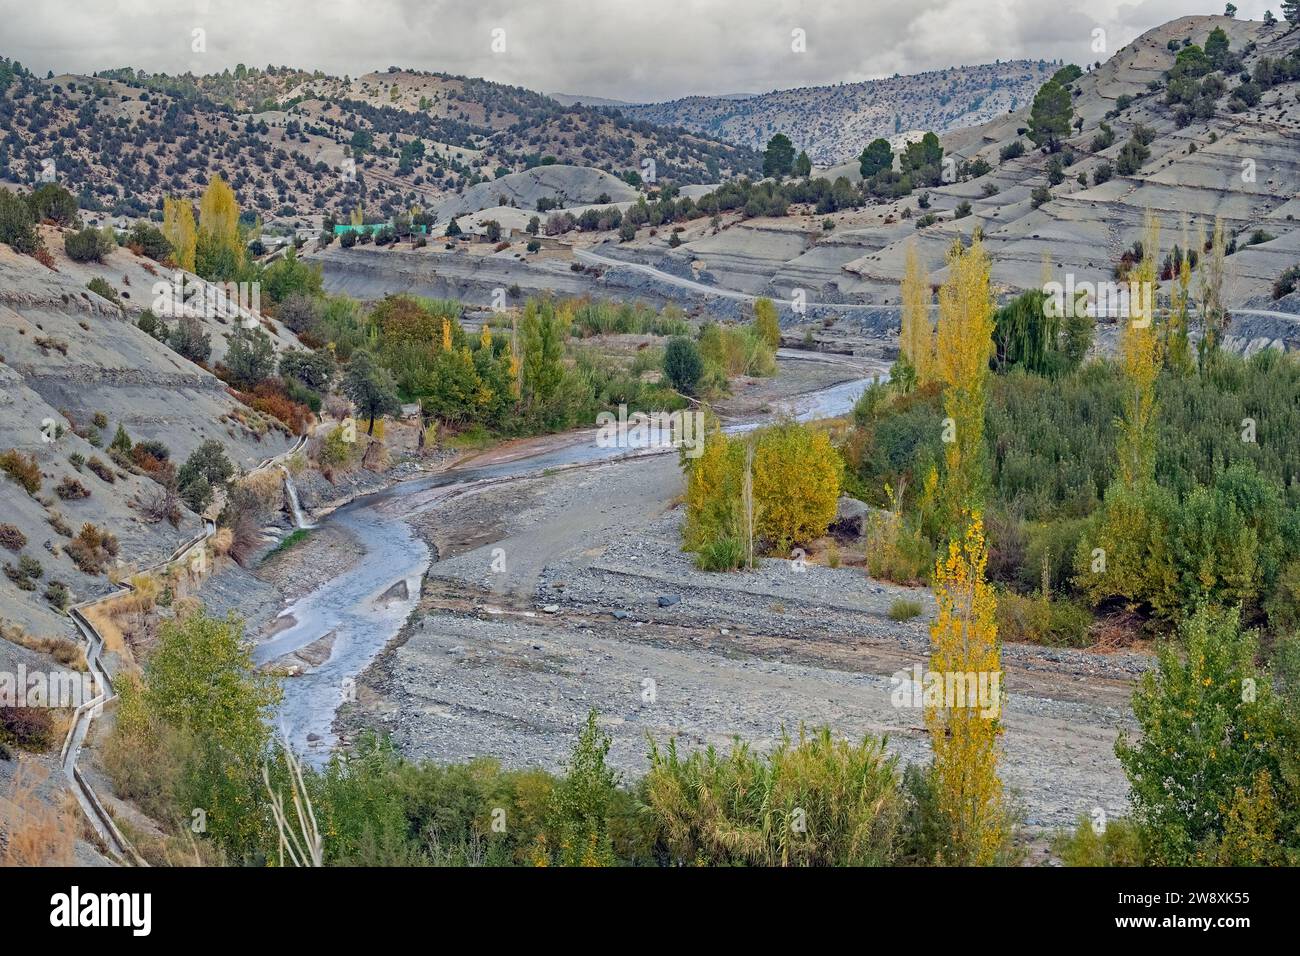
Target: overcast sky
(622, 49)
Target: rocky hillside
(1233, 153)
(296, 144)
(74, 366)
(563, 185)
(834, 123)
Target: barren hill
(73, 367)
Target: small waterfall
(295, 506)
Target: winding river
(365, 607)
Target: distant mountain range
(834, 123)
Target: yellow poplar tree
(710, 509)
(178, 228)
(1140, 361)
(766, 322)
(796, 483)
(963, 637)
(963, 347)
(964, 640)
(220, 249)
(1175, 347)
(916, 335)
(1213, 274)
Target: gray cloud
(623, 49)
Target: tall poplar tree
(963, 638)
(178, 229)
(916, 334)
(219, 253)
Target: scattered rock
(398, 592)
(668, 600)
(850, 516)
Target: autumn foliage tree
(964, 344)
(1140, 361)
(964, 641)
(963, 637)
(795, 475)
(796, 484)
(766, 323)
(178, 229)
(219, 251)
(916, 334)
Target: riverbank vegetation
(1122, 492)
(192, 746)
(1146, 497)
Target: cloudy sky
(635, 50)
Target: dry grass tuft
(40, 830)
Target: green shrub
(17, 225)
(904, 609)
(1214, 740)
(53, 202)
(1034, 620)
(816, 801)
(683, 366)
(1119, 843)
(56, 592)
(26, 573)
(100, 287)
(89, 244)
(721, 554)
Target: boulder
(851, 517)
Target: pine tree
(877, 156)
(778, 158)
(1051, 115)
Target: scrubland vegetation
(190, 734)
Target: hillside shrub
(22, 469)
